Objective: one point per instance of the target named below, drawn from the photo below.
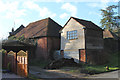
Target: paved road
(114, 74)
(42, 73)
(8, 75)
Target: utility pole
(119, 19)
(119, 8)
(119, 13)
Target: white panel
(25, 60)
(72, 54)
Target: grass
(113, 60)
(38, 63)
(88, 69)
(112, 64)
(95, 69)
(32, 77)
(98, 69)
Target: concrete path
(44, 73)
(113, 74)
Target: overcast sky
(13, 13)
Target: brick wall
(53, 44)
(46, 46)
(41, 49)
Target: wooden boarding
(11, 61)
(17, 62)
(22, 63)
(82, 55)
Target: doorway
(82, 55)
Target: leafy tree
(110, 18)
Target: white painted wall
(76, 43)
(71, 47)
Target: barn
(45, 34)
(82, 40)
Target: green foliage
(12, 38)
(39, 63)
(95, 69)
(32, 77)
(9, 66)
(22, 39)
(114, 59)
(117, 31)
(109, 19)
(2, 51)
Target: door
(82, 55)
(62, 53)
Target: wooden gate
(11, 61)
(22, 63)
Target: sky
(13, 13)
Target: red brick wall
(46, 46)
(53, 44)
(41, 50)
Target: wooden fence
(17, 62)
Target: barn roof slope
(87, 24)
(16, 31)
(44, 27)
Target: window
(72, 34)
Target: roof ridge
(53, 21)
(38, 21)
(81, 19)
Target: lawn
(95, 69)
(86, 68)
(39, 63)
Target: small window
(72, 34)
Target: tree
(110, 18)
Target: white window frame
(72, 35)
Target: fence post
(15, 63)
(27, 63)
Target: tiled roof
(109, 34)
(16, 31)
(87, 24)
(44, 27)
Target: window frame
(71, 35)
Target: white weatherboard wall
(71, 47)
(72, 54)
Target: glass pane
(68, 37)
